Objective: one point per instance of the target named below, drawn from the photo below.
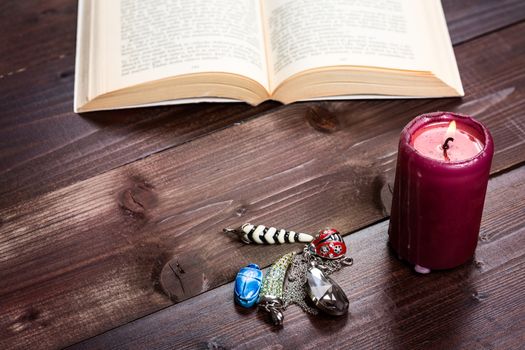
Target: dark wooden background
(110, 222)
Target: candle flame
(451, 131)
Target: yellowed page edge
(168, 103)
(439, 49)
(454, 79)
(82, 54)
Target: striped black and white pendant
(260, 234)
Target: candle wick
(446, 146)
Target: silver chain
(294, 292)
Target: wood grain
(44, 146)
(88, 256)
(476, 306)
(467, 19)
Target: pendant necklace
(301, 279)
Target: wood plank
(468, 18)
(478, 305)
(88, 257)
(45, 146)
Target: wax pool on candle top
(429, 140)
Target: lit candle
(442, 174)
(445, 141)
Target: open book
(151, 52)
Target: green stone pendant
(271, 296)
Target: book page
(139, 41)
(439, 50)
(307, 34)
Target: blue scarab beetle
(248, 285)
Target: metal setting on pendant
(274, 306)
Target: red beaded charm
(328, 244)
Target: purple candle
(442, 172)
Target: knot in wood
(138, 199)
(322, 120)
(25, 320)
(241, 211)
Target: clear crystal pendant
(325, 293)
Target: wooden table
(110, 223)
